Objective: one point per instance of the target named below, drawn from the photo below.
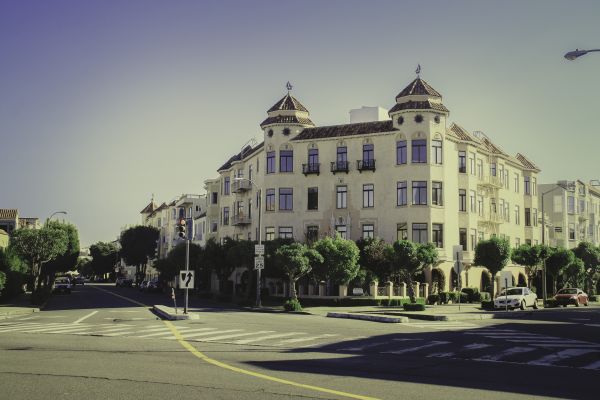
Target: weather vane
(288, 86)
(418, 70)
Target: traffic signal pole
(187, 268)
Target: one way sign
(186, 279)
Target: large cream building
(414, 176)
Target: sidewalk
(19, 305)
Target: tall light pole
(53, 214)
(258, 270)
(572, 55)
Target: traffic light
(181, 229)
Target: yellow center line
(220, 364)
(223, 365)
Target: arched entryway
(438, 280)
(453, 280)
(486, 282)
(522, 280)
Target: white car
(62, 285)
(516, 297)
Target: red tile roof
(8, 213)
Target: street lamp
(258, 270)
(53, 214)
(544, 238)
(572, 55)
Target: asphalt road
(102, 342)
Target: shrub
(292, 305)
(487, 305)
(484, 296)
(472, 294)
(414, 307)
(433, 299)
(444, 297)
(593, 298)
(551, 303)
(464, 298)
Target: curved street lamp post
(572, 55)
(53, 214)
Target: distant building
(9, 219)
(368, 114)
(3, 239)
(29, 223)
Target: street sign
(259, 249)
(457, 252)
(186, 279)
(259, 262)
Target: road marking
(186, 335)
(476, 346)
(122, 297)
(168, 332)
(287, 341)
(595, 325)
(115, 333)
(594, 365)
(506, 353)
(561, 355)
(279, 335)
(66, 330)
(86, 317)
(411, 349)
(259, 375)
(375, 344)
(221, 337)
(441, 355)
(570, 345)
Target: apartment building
(572, 210)
(415, 176)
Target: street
(102, 342)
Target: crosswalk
(292, 339)
(489, 345)
(441, 325)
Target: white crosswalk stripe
(551, 359)
(412, 349)
(441, 325)
(504, 354)
(268, 337)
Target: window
(506, 185)
(213, 198)
(270, 203)
(214, 226)
(507, 211)
(313, 198)
(533, 186)
(419, 190)
(581, 206)
(419, 233)
(437, 235)
(473, 239)
(535, 217)
(270, 233)
(480, 205)
(342, 230)
(517, 242)
(516, 183)
(462, 200)
(473, 206)
(286, 161)
(527, 185)
(419, 151)
(527, 216)
(368, 152)
(528, 241)
(462, 162)
(270, 162)
(286, 202)
(225, 215)
(401, 152)
(312, 233)
(342, 154)
(286, 232)
(313, 157)
(436, 193)
(401, 195)
(226, 185)
(402, 231)
(493, 169)
(368, 231)
(571, 204)
(472, 163)
(436, 151)
(341, 193)
(517, 215)
(480, 168)
(250, 171)
(462, 238)
(368, 196)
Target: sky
(104, 103)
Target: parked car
(143, 286)
(62, 285)
(516, 297)
(124, 282)
(153, 286)
(78, 281)
(574, 296)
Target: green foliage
(66, 261)
(413, 307)
(215, 259)
(492, 254)
(530, 257)
(15, 272)
(433, 299)
(559, 259)
(340, 260)
(484, 296)
(297, 260)
(2, 281)
(372, 258)
(292, 305)
(407, 259)
(138, 245)
(170, 266)
(104, 257)
(590, 255)
(574, 273)
(472, 294)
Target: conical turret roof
(418, 87)
(288, 102)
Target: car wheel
(523, 305)
(576, 303)
(535, 305)
(587, 303)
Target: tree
(556, 262)
(408, 259)
(104, 257)
(340, 259)
(170, 266)
(215, 258)
(66, 261)
(15, 272)
(37, 247)
(297, 260)
(574, 273)
(492, 254)
(530, 257)
(241, 254)
(590, 255)
(138, 245)
(373, 258)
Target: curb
(168, 313)
(272, 311)
(374, 318)
(426, 317)
(21, 311)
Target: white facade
(368, 114)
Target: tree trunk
(411, 288)
(293, 293)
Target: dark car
(78, 280)
(573, 296)
(153, 286)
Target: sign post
(173, 297)
(457, 253)
(186, 281)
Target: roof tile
(8, 213)
(418, 87)
(419, 105)
(288, 102)
(362, 128)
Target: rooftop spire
(289, 87)
(418, 70)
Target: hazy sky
(103, 103)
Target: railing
(365, 165)
(339, 166)
(491, 217)
(240, 220)
(311, 168)
(490, 181)
(241, 186)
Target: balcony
(491, 218)
(490, 182)
(311, 168)
(241, 186)
(240, 219)
(339, 166)
(365, 165)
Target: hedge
(349, 301)
(413, 307)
